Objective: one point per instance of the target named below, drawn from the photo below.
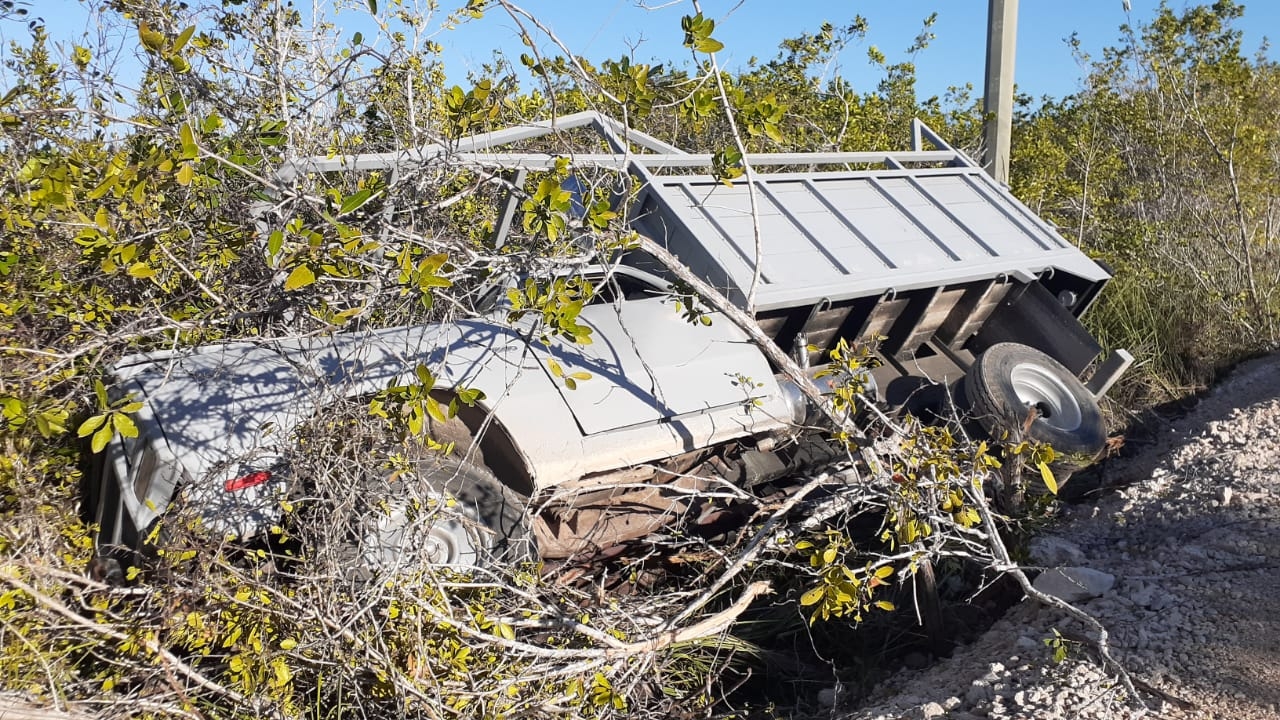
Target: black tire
(960, 412)
(960, 399)
(455, 514)
(92, 475)
(105, 566)
(928, 401)
(901, 391)
(1009, 379)
(929, 606)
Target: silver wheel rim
(1040, 388)
(434, 535)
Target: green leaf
(14, 92)
(697, 33)
(433, 263)
(275, 242)
(151, 39)
(14, 410)
(813, 596)
(373, 6)
(425, 378)
(434, 410)
(124, 425)
(470, 396)
(141, 270)
(355, 200)
(909, 532)
(1049, 480)
(174, 101)
(90, 425)
(708, 45)
(301, 277)
(210, 123)
(81, 57)
(357, 39)
(188, 137)
(185, 174)
(103, 187)
(430, 281)
(183, 37)
(101, 438)
(282, 672)
(49, 423)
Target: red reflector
(248, 481)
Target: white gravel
(1193, 540)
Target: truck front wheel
(441, 511)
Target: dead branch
(1005, 563)
(708, 627)
(11, 709)
(151, 645)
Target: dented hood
(647, 363)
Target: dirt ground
(1189, 527)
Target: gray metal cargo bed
(843, 235)
(918, 251)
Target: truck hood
(653, 378)
(646, 364)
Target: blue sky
(608, 28)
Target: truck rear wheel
(453, 514)
(1010, 380)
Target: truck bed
(843, 235)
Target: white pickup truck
(955, 282)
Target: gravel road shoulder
(1191, 534)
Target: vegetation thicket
(1163, 165)
(135, 157)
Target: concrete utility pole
(997, 98)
